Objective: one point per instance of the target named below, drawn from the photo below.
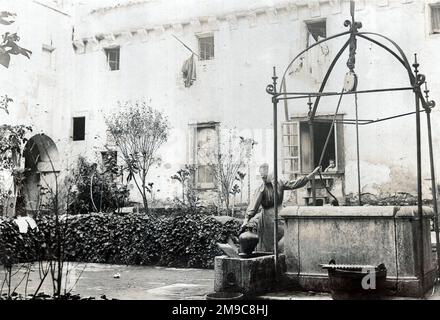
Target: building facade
(88, 59)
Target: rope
(326, 144)
(357, 149)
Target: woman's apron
(266, 218)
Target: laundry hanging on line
(189, 71)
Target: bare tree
(138, 131)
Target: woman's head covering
(263, 167)
(270, 176)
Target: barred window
(113, 56)
(206, 47)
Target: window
(291, 147)
(206, 47)
(435, 18)
(113, 56)
(79, 128)
(316, 30)
(296, 145)
(203, 144)
(206, 149)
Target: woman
(264, 197)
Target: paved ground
(135, 282)
(150, 283)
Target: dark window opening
(333, 151)
(321, 129)
(79, 128)
(320, 132)
(316, 30)
(206, 48)
(113, 56)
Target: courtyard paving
(133, 283)
(151, 283)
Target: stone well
(367, 235)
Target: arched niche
(41, 164)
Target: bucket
(224, 296)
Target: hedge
(180, 240)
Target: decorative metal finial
(274, 78)
(416, 64)
(426, 91)
(429, 104)
(419, 78)
(272, 88)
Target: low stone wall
(367, 235)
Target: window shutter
(291, 147)
(340, 146)
(435, 18)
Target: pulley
(350, 81)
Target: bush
(181, 240)
(108, 195)
(16, 247)
(191, 240)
